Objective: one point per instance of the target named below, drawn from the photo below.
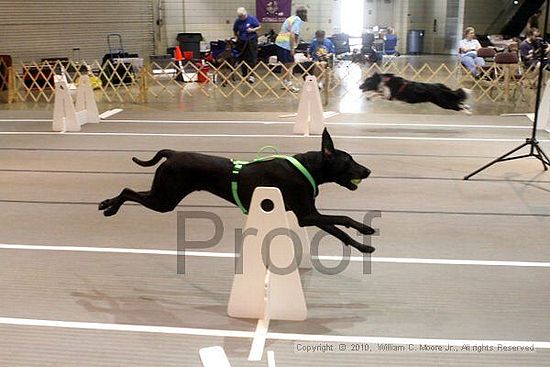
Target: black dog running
(390, 86)
(185, 172)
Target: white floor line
(383, 124)
(326, 114)
(254, 122)
(126, 327)
(274, 136)
(110, 113)
(270, 335)
(400, 260)
(530, 116)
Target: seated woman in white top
(468, 51)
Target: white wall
(379, 12)
(421, 15)
(214, 19)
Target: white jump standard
(68, 116)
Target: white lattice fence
(123, 82)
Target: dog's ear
(327, 144)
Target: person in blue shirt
(286, 42)
(245, 28)
(321, 50)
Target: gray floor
(50, 185)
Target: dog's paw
(366, 249)
(466, 109)
(366, 230)
(110, 211)
(105, 204)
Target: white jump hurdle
(310, 119)
(544, 110)
(261, 291)
(68, 116)
(543, 123)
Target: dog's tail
(165, 153)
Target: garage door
(31, 30)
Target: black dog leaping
(390, 86)
(185, 172)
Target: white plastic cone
(255, 293)
(68, 116)
(310, 119)
(64, 114)
(85, 100)
(301, 232)
(544, 110)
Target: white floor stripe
(170, 135)
(110, 113)
(400, 260)
(383, 124)
(25, 120)
(270, 335)
(326, 114)
(126, 327)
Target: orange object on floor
(188, 55)
(202, 75)
(177, 54)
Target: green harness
(238, 165)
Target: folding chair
(506, 67)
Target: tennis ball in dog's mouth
(356, 181)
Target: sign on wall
(273, 11)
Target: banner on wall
(273, 11)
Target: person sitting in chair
(390, 43)
(531, 48)
(321, 50)
(468, 52)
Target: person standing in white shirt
(468, 52)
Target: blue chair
(390, 44)
(217, 48)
